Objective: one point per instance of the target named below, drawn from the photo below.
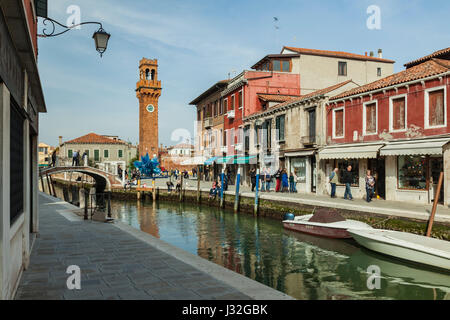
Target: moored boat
(406, 246)
(325, 223)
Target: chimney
(60, 140)
(366, 53)
(380, 53)
(371, 53)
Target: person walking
(370, 186)
(268, 180)
(54, 159)
(278, 179)
(74, 158)
(334, 179)
(253, 178)
(284, 181)
(291, 183)
(348, 180)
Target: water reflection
(305, 267)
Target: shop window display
(412, 172)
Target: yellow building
(45, 154)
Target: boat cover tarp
(324, 215)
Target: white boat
(407, 246)
(324, 223)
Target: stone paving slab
(115, 263)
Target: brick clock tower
(148, 91)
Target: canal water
(305, 267)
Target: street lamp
(101, 37)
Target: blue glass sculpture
(148, 167)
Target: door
(313, 174)
(312, 125)
(436, 167)
(378, 171)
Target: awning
(226, 160)
(246, 160)
(366, 151)
(414, 147)
(302, 153)
(210, 161)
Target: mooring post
(198, 184)
(255, 212)
(181, 188)
(154, 190)
(236, 197)
(221, 187)
(42, 183)
(48, 185)
(86, 204)
(53, 186)
(109, 204)
(435, 202)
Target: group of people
(284, 183)
(76, 158)
(347, 179)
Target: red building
(398, 127)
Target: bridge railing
(97, 202)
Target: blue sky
(198, 42)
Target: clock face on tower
(150, 108)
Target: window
(342, 68)
(120, 153)
(298, 167)
(16, 158)
(397, 110)
(276, 65)
(70, 153)
(338, 123)
(225, 105)
(435, 108)
(215, 109)
(232, 102)
(280, 127)
(96, 155)
(106, 153)
(232, 139)
(379, 72)
(370, 118)
(241, 102)
(412, 172)
(199, 115)
(286, 66)
(225, 133)
(87, 153)
(247, 138)
(342, 165)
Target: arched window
(147, 74)
(153, 74)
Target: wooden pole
(154, 190)
(198, 184)
(48, 185)
(435, 202)
(53, 186)
(255, 211)
(221, 187)
(86, 204)
(42, 183)
(181, 188)
(236, 196)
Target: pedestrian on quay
(284, 181)
(54, 159)
(74, 158)
(263, 179)
(348, 180)
(334, 179)
(278, 179)
(370, 186)
(291, 183)
(253, 178)
(268, 180)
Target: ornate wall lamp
(100, 36)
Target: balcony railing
(308, 140)
(230, 114)
(208, 122)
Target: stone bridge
(104, 181)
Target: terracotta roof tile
(337, 54)
(95, 138)
(436, 54)
(276, 97)
(423, 70)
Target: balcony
(208, 122)
(308, 140)
(230, 114)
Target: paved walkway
(120, 262)
(383, 207)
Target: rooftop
(218, 85)
(336, 54)
(423, 70)
(93, 138)
(441, 54)
(276, 97)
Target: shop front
(413, 168)
(302, 165)
(360, 157)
